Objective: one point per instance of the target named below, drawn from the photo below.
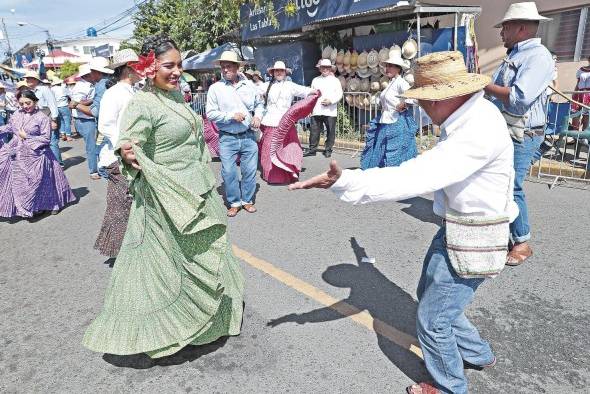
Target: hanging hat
(375, 86)
(32, 74)
(365, 85)
(334, 55)
(340, 57)
(84, 70)
(382, 67)
(349, 99)
(100, 64)
(395, 49)
(398, 61)
(327, 52)
(410, 49)
(122, 57)
(340, 68)
(342, 81)
(384, 82)
(354, 57)
(409, 78)
(229, 56)
(443, 75)
(362, 60)
(363, 72)
(326, 63)
(383, 54)
(375, 72)
(346, 59)
(279, 65)
(353, 84)
(526, 11)
(347, 69)
(375, 99)
(373, 59)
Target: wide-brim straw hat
(365, 85)
(326, 63)
(373, 59)
(340, 68)
(410, 49)
(364, 72)
(84, 70)
(346, 58)
(229, 56)
(443, 75)
(353, 84)
(279, 65)
(398, 61)
(526, 11)
(327, 52)
(32, 74)
(123, 57)
(56, 81)
(340, 57)
(354, 57)
(100, 64)
(362, 60)
(383, 54)
(375, 72)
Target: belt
(535, 132)
(240, 133)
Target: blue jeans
(445, 334)
(230, 145)
(65, 121)
(87, 129)
(54, 145)
(523, 155)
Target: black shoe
(327, 154)
(309, 153)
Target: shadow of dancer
(372, 291)
(421, 209)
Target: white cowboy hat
(100, 64)
(410, 49)
(443, 75)
(526, 11)
(229, 56)
(395, 49)
(32, 74)
(122, 57)
(279, 65)
(363, 72)
(84, 70)
(398, 61)
(383, 54)
(373, 59)
(326, 63)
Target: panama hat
(363, 72)
(122, 57)
(46, 81)
(279, 65)
(100, 64)
(383, 54)
(32, 74)
(21, 84)
(398, 61)
(373, 59)
(443, 75)
(526, 11)
(84, 70)
(353, 84)
(229, 56)
(257, 73)
(365, 85)
(362, 60)
(375, 72)
(326, 63)
(410, 49)
(395, 49)
(56, 81)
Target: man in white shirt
(325, 112)
(470, 172)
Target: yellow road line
(358, 316)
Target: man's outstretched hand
(322, 181)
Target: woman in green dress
(176, 281)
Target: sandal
(517, 256)
(233, 211)
(250, 208)
(422, 388)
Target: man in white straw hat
(325, 112)
(470, 172)
(47, 105)
(234, 105)
(519, 90)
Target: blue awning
(205, 60)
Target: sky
(63, 18)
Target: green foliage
(68, 69)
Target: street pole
(8, 43)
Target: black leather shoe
(328, 154)
(309, 153)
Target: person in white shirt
(470, 171)
(582, 85)
(278, 98)
(391, 137)
(65, 115)
(325, 112)
(113, 104)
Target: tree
(68, 69)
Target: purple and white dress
(31, 179)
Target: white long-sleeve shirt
(390, 99)
(280, 99)
(83, 90)
(332, 90)
(60, 94)
(472, 164)
(113, 103)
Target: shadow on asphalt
(421, 209)
(143, 361)
(73, 161)
(370, 290)
(80, 192)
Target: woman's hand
(129, 156)
(21, 133)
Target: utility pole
(8, 43)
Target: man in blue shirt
(518, 88)
(235, 106)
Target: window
(568, 34)
(88, 50)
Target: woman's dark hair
(115, 76)
(27, 93)
(159, 43)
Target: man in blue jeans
(236, 107)
(519, 88)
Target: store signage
(294, 14)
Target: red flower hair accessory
(147, 66)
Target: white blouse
(280, 99)
(390, 100)
(113, 103)
(584, 77)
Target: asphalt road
(301, 252)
